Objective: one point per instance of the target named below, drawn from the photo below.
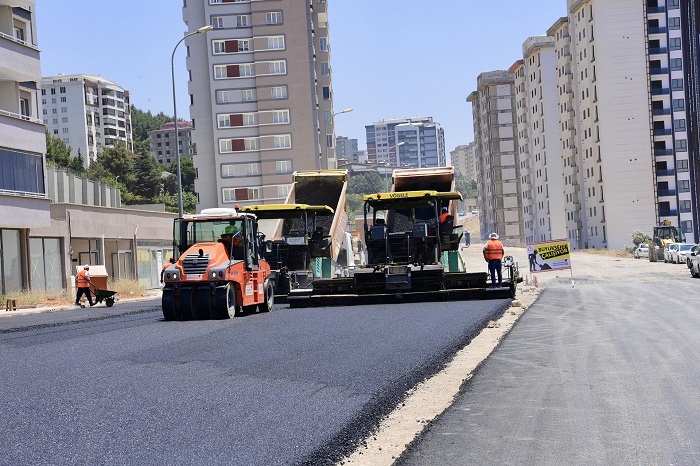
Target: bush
(639, 237)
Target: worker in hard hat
(493, 254)
(82, 282)
(443, 216)
(231, 237)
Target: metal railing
(19, 41)
(19, 116)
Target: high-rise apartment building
(498, 176)
(413, 142)
(161, 141)
(89, 113)
(463, 158)
(346, 149)
(538, 132)
(261, 97)
(23, 200)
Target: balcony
(663, 151)
(22, 132)
(19, 61)
(669, 172)
(662, 91)
(666, 192)
(658, 70)
(668, 213)
(661, 111)
(659, 30)
(656, 9)
(657, 51)
(663, 132)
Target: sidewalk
(23, 311)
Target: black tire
(186, 304)
(225, 305)
(109, 302)
(269, 303)
(168, 304)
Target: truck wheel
(225, 306)
(267, 305)
(168, 304)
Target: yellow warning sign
(549, 255)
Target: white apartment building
(23, 201)
(539, 148)
(89, 113)
(412, 142)
(261, 97)
(498, 176)
(463, 158)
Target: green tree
(142, 147)
(147, 178)
(97, 172)
(366, 183)
(353, 205)
(465, 186)
(77, 164)
(57, 152)
(188, 173)
(639, 237)
(119, 161)
(143, 122)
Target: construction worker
(443, 216)
(232, 237)
(82, 282)
(493, 254)
(167, 264)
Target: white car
(678, 256)
(694, 261)
(641, 251)
(668, 251)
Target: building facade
(463, 158)
(346, 149)
(411, 142)
(23, 201)
(498, 175)
(162, 142)
(261, 93)
(89, 113)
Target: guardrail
(23, 194)
(19, 116)
(19, 41)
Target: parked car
(678, 256)
(668, 251)
(694, 261)
(641, 251)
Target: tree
(143, 122)
(188, 173)
(57, 152)
(465, 186)
(147, 179)
(77, 164)
(119, 161)
(366, 183)
(639, 237)
(353, 205)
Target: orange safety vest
(83, 279)
(443, 216)
(493, 250)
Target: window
(64, 109)
(282, 191)
(62, 89)
(278, 67)
(681, 145)
(679, 125)
(274, 17)
(329, 140)
(280, 116)
(222, 97)
(241, 21)
(323, 44)
(64, 120)
(65, 130)
(55, 120)
(53, 100)
(220, 71)
(252, 169)
(283, 142)
(224, 121)
(240, 194)
(674, 43)
(279, 92)
(275, 42)
(225, 145)
(55, 131)
(687, 226)
(683, 186)
(53, 91)
(45, 111)
(249, 119)
(243, 45)
(227, 170)
(678, 104)
(677, 84)
(676, 64)
(246, 69)
(327, 116)
(24, 107)
(63, 100)
(251, 144)
(673, 4)
(219, 46)
(247, 95)
(674, 22)
(284, 166)
(217, 22)
(325, 69)
(682, 165)
(685, 206)
(326, 92)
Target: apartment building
(261, 97)
(23, 201)
(463, 158)
(346, 149)
(690, 41)
(89, 113)
(162, 143)
(412, 142)
(538, 132)
(498, 175)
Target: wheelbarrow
(106, 295)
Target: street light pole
(177, 134)
(347, 110)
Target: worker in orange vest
(493, 254)
(443, 216)
(82, 282)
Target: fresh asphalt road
(295, 386)
(600, 374)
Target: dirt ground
(436, 394)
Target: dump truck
(664, 235)
(405, 242)
(294, 242)
(218, 271)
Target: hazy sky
(389, 58)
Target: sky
(389, 58)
